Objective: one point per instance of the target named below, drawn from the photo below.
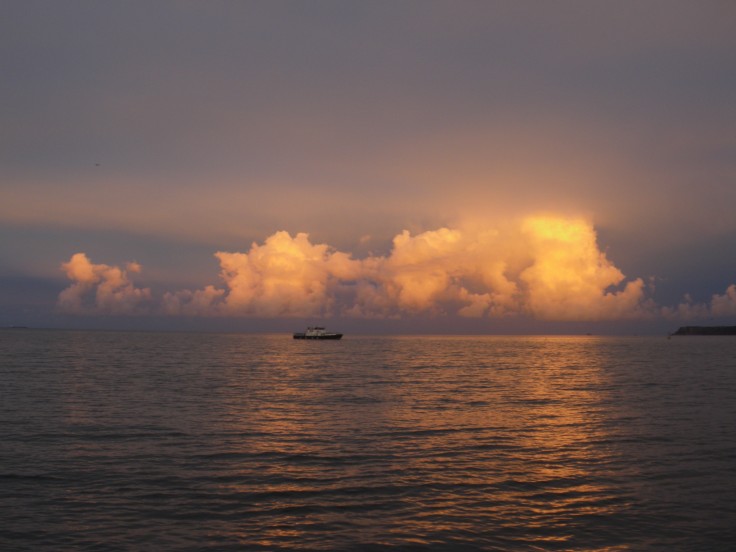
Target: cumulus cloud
(570, 279)
(284, 277)
(720, 306)
(724, 305)
(546, 267)
(193, 303)
(444, 271)
(99, 288)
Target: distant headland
(706, 330)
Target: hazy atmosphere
(415, 167)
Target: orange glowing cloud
(570, 279)
(283, 277)
(445, 271)
(99, 288)
(545, 267)
(550, 268)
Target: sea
(204, 441)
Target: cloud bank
(543, 267)
(720, 306)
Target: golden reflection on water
(563, 392)
(484, 443)
(453, 433)
(486, 430)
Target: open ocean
(194, 441)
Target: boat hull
(323, 336)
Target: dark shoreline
(706, 330)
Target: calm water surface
(145, 441)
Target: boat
(317, 332)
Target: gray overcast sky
(164, 131)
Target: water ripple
(128, 441)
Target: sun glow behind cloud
(544, 267)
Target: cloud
(284, 277)
(720, 306)
(545, 267)
(101, 289)
(549, 268)
(444, 271)
(570, 279)
(724, 305)
(201, 302)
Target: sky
(397, 167)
